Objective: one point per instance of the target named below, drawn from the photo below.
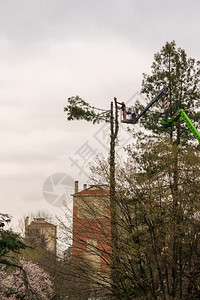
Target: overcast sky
(53, 49)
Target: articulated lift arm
(165, 121)
(174, 119)
(163, 92)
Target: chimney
(76, 187)
(85, 186)
(26, 227)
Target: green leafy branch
(78, 109)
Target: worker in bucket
(123, 108)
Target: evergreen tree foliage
(172, 67)
(10, 243)
(164, 232)
(79, 109)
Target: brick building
(91, 226)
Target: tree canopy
(172, 67)
(12, 285)
(10, 242)
(79, 109)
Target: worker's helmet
(122, 102)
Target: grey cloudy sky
(53, 49)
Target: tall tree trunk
(113, 203)
(175, 221)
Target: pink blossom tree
(29, 283)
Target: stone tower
(41, 233)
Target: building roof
(40, 222)
(94, 190)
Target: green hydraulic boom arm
(166, 122)
(174, 119)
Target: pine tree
(172, 67)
